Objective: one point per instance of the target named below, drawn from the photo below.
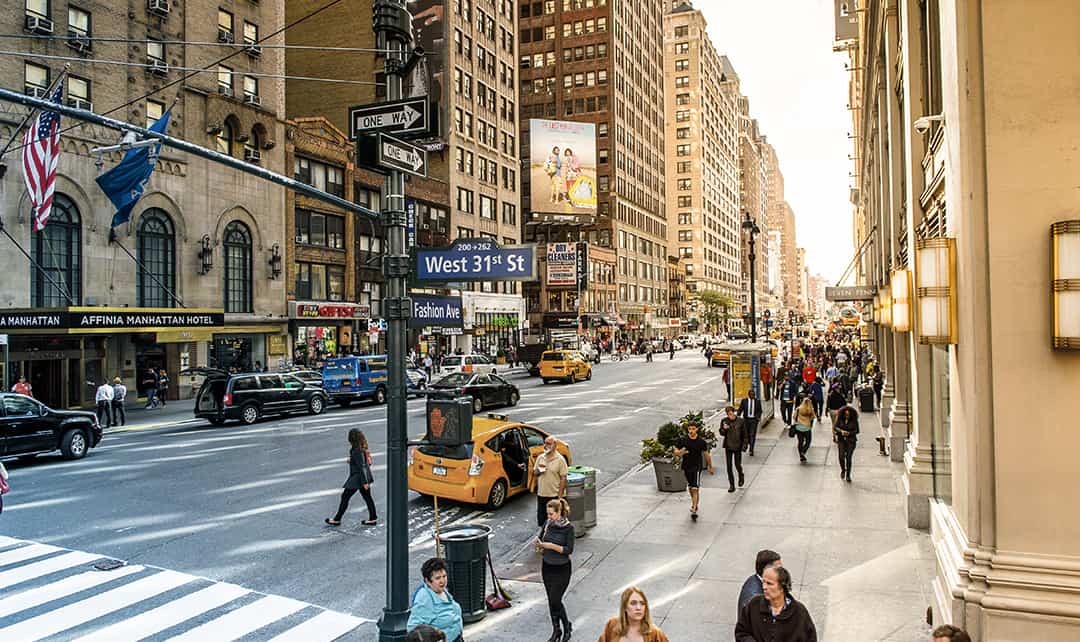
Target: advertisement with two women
(562, 166)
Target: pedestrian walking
(556, 543)
(845, 434)
(549, 476)
(750, 412)
(950, 633)
(835, 402)
(775, 614)
(817, 396)
(671, 351)
(429, 365)
(104, 397)
(877, 380)
(163, 387)
(648, 352)
(360, 479)
(694, 452)
(804, 426)
(425, 633)
(150, 387)
(753, 585)
(634, 621)
(22, 387)
(433, 605)
(733, 430)
(787, 398)
(119, 395)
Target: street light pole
(752, 229)
(392, 24)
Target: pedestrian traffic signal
(449, 421)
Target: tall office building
(754, 202)
(203, 237)
(472, 189)
(600, 64)
(702, 152)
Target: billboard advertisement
(847, 20)
(429, 77)
(562, 263)
(562, 167)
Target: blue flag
(125, 183)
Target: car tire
(514, 398)
(249, 414)
(498, 495)
(74, 444)
(477, 404)
(380, 395)
(588, 375)
(316, 406)
(217, 422)
(547, 381)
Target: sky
(782, 52)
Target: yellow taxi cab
(487, 470)
(567, 365)
(719, 357)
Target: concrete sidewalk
(860, 571)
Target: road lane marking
(244, 620)
(326, 626)
(167, 615)
(44, 567)
(24, 553)
(63, 588)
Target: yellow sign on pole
(742, 376)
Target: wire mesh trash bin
(575, 496)
(590, 493)
(465, 549)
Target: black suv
(29, 427)
(251, 395)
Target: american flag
(41, 152)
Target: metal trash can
(465, 549)
(590, 493)
(575, 496)
(866, 399)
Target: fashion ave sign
(430, 310)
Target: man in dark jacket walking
(752, 586)
(733, 432)
(750, 413)
(775, 615)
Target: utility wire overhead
(242, 45)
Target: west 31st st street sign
(477, 260)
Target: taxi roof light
(498, 417)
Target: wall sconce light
(275, 261)
(206, 255)
(885, 301)
(901, 300)
(935, 289)
(1065, 267)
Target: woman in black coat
(845, 431)
(775, 616)
(360, 479)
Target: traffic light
(449, 421)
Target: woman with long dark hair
(845, 433)
(360, 479)
(556, 542)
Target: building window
(57, 249)
(465, 200)
(509, 214)
(683, 150)
(487, 207)
(251, 86)
(154, 111)
(238, 280)
(157, 257)
(224, 80)
(225, 26)
(35, 79)
(682, 65)
(682, 132)
(682, 48)
(251, 33)
(682, 81)
(682, 32)
(325, 177)
(682, 116)
(682, 99)
(38, 8)
(79, 92)
(318, 282)
(686, 201)
(79, 24)
(155, 51)
(316, 228)
(686, 219)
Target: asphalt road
(246, 504)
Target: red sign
(331, 311)
(674, 323)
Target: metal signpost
(476, 260)
(411, 116)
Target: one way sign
(411, 117)
(397, 154)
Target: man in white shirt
(104, 398)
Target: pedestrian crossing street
(48, 592)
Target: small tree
(716, 306)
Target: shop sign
(329, 310)
(564, 321)
(446, 332)
(111, 319)
(275, 344)
(434, 310)
(562, 263)
(674, 323)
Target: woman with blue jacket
(433, 605)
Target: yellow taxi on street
(496, 465)
(719, 357)
(565, 365)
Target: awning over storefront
(92, 320)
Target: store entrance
(47, 379)
(232, 354)
(149, 356)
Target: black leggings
(347, 494)
(804, 440)
(845, 448)
(556, 580)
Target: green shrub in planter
(670, 434)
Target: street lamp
(752, 229)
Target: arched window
(223, 142)
(58, 250)
(253, 144)
(157, 256)
(237, 268)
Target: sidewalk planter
(669, 478)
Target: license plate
(346, 383)
(438, 470)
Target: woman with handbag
(360, 479)
(804, 426)
(556, 542)
(634, 621)
(845, 431)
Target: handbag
(791, 431)
(498, 598)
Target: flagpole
(41, 269)
(30, 114)
(114, 239)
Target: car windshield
(454, 380)
(554, 356)
(452, 361)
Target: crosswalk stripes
(47, 591)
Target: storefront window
(57, 249)
(237, 268)
(157, 251)
(495, 332)
(316, 344)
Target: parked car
(484, 470)
(29, 427)
(311, 377)
(485, 389)
(566, 365)
(349, 379)
(250, 396)
(468, 363)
